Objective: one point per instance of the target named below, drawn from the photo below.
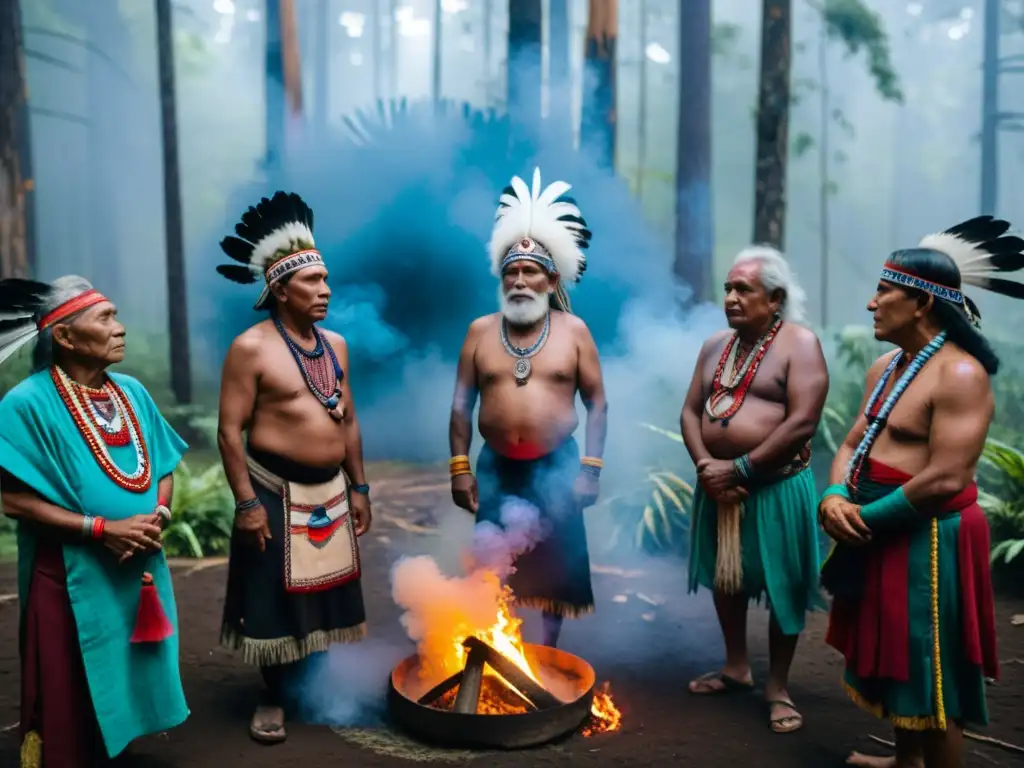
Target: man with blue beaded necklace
(526, 363)
(912, 605)
(299, 485)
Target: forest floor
(648, 637)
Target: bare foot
(722, 682)
(783, 715)
(267, 725)
(870, 761)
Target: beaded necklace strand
(877, 421)
(323, 377)
(75, 396)
(734, 389)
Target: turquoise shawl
(136, 688)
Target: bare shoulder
(482, 325)
(715, 342)
(574, 324)
(249, 342)
(336, 339)
(799, 337)
(960, 376)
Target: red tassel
(152, 624)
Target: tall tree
(694, 220)
(524, 62)
(559, 81)
(177, 290)
(772, 124)
(16, 255)
(597, 130)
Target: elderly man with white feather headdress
(913, 610)
(300, 489)
(86, 463)
(526, 364)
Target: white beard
(523, 312)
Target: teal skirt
(780, 549)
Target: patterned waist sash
(320, 546)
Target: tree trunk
(16, 258)
(322, 73)
(524, 62)
(772, 125)
(597, 130)
(274, 106)
(990, 109)
(437, 49)
(559, 78)
(694, 221)
(177, 292)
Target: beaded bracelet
(246, 505)
(97, 527)
(743, 467)
(92, 527)
(164, 511)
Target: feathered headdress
(981, 250)
(275, 238)
(28, 307)
(543, 226)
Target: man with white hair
(753, 405)
(86, 463)
(526, 363)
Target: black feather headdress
(982, 251)
(22, 302)
(273, 239)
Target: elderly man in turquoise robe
(86, 463)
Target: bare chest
(910, 418)
(283, 378)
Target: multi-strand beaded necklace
(319, 367)
(732, 380)
(877, 420)
(105, 419)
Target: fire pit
(494, 702)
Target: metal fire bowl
(568, 677)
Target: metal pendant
(522, 370)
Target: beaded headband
(528, 249)
(292, 263)
(892, 274)
(82, 301)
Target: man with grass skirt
(753, 405)
(912, 612)
(300, 491)
(86, 463)
(526, 363)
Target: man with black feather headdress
(300, 490)
(526, 364)
(86, 470)
(913, 610)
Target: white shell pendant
(522, 370)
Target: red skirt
(55, 699)
(872, 632)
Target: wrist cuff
(837, 489)
(892, 508)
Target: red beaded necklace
(732, 393)
(100, 432)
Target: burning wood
(468, 698)
(532, 690)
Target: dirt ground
(647, 637)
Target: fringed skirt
(268, 623)
(553, 576)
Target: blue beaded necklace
(323, 381)
(876, 422)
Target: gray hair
(61, 290)
(776, 275)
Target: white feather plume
(535, 214)
(15, 339)
(970, 260)
(293, 237)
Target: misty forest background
(132, 135)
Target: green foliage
(1001, 473)
(855, 25)
(655, 515)
(202, 513)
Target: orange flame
(505, 636)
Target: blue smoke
(404, 201)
